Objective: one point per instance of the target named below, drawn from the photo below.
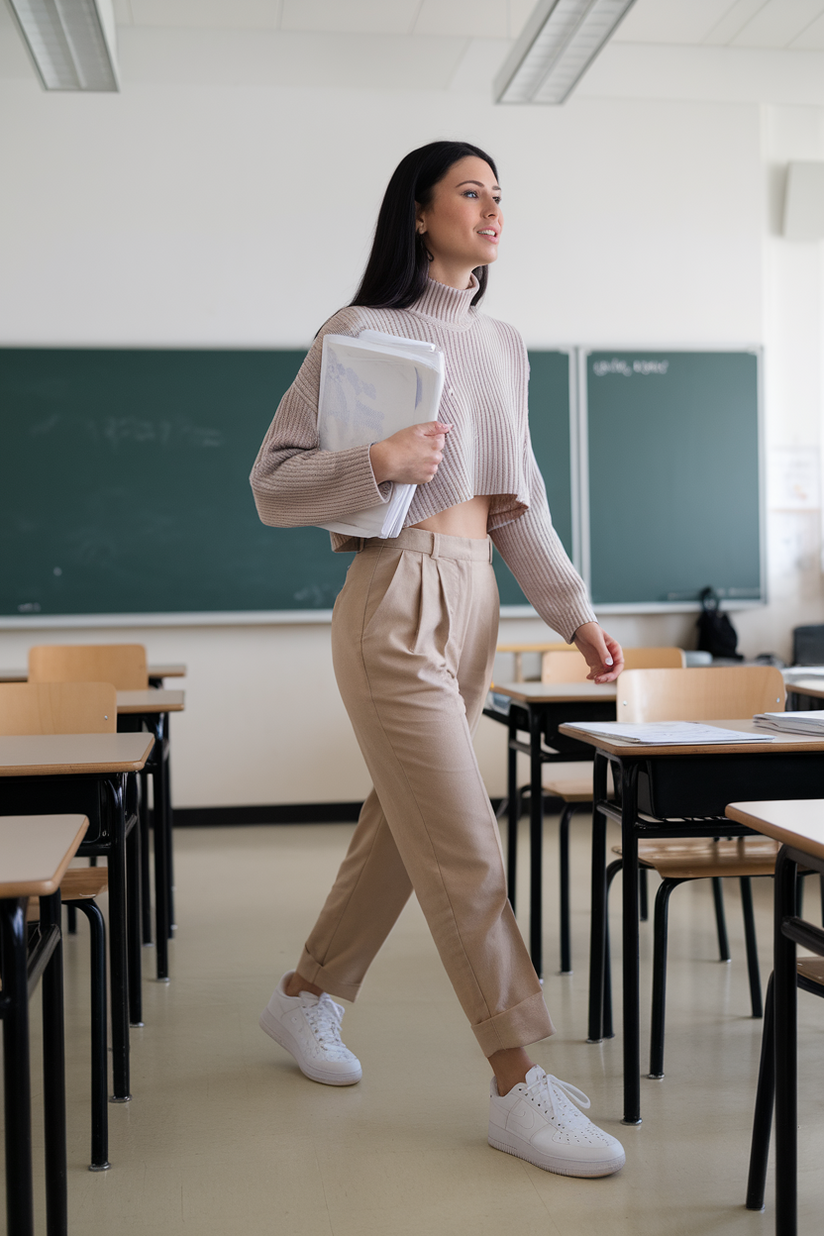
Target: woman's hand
(411, 456)
(601, 652)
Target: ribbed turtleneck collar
(450, 305)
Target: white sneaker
(536, 1121)
(309, 1027)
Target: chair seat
(694, 858)
(812, 969)
(81, 882)
(573, 783)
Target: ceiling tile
(197, 14)
(811, 39)
(670, 21)
(350, 16)
(733, 22)
(473, 19)
(778, 23)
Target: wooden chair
(75, 708)
(125, 666)
(570, 666)
(705, 694)
(517, 652)
(572, 783)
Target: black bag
(716, 634)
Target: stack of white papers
(670, 733)
(370, 388)
(792, 722)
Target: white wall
(238, 215)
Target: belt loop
(489, 541)
(436, 545)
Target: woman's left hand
(601, 652)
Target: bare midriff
(468, 519)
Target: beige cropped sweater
(488, 450)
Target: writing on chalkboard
(645, 367)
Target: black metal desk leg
(786, 1100)
(54, 1077)
(167, 806)
(632, 995)
(145, 880)
(536, 842)
(513, 805)
(133, 883)
(597, 937)
(161, 857)
(17, 1085)
(118, 951)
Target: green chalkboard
(674, 496)
(549, 426)
(124, 490)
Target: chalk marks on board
(602, 368)
(121, 431)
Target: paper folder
(370, 387)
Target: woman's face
(462, 224)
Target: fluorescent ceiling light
(72, 42)
(557, 46)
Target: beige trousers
(413, 638)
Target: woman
(413, 639)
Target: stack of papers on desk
(370, 388)
(792, 722)
(670, 733)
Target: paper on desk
(371, 387)
(811, 722)
(670, 733)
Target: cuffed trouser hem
(325, 978)
(526, 1023)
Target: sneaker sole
(561, 1167)
(281, 1035)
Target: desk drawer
(699, 786)
(58, 795)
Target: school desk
(799, 827)
(87, 773)
(34, 854)
(540, 709)
(156, 673)
(682, 791)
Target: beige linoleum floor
(224, 1135)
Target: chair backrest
(654, 658)
(570, 666)
(123, 665)
(702, 694)
(566, 666)
(58, 708)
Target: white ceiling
(778, 24)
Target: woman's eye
(470, 193)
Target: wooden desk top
(150, 700)
(48, 755)
(799, 823)
(806, 686)
(35, 851)
(779, 742)
(556, 692)
(171, 670)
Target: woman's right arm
(295, 483)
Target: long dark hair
(398, 265)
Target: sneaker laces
(324, 1018)
(552, 1096)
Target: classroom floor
(225, 1136)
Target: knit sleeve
(294, 482)
(532, 550)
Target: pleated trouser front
(413, 639)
